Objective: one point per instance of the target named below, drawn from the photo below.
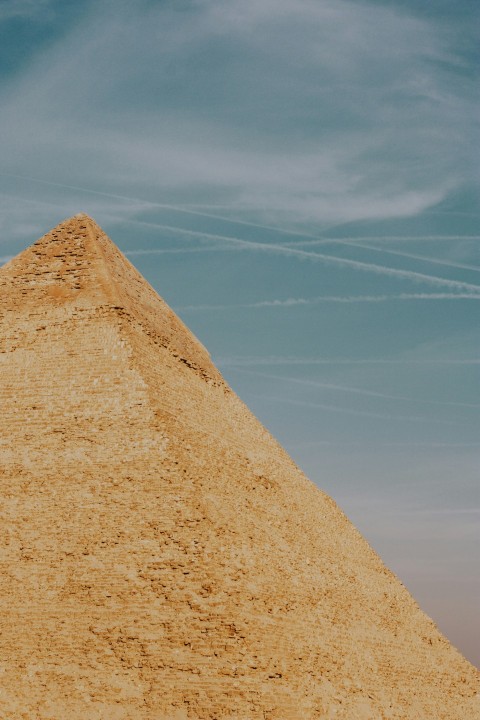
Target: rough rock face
(162, 557)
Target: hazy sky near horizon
(299, 180)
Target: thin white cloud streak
(343, 299)
(323, 239)
(351, 411)
(187, 209)
(150, 204)
(5, 258)
(375, 443)
(398, 253)
(313, 238)
(27, 218)
(424, 258)
(21, 201)
(323, 236)
(354, 390)
(177, 251)
(269, 360)
(439, 511)
(143, 204)
(322, 257)
(430, 512)
(240, 244)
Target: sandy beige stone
(162, 558)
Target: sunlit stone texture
(162, 557)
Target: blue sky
(299, 180)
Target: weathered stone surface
(162, 557)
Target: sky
(299, 180)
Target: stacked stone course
(162, 558)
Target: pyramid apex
(162, 556)
(82, 216)
(76, 267)
(78, 217)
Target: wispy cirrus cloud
(369, 88)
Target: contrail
(314, 239)
(188, 211)
(322, 257)
(351, 411)
(352, 239)
(214, 216)
(263, 247)
(346, 224)
(179, 251)
(374, 443)
(164, 206)
(249, 361)
(440, 511)
(412, 256)
(348, 299)
(354, 390)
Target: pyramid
(162, 556)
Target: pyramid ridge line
(162, 555)
(76, 264)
